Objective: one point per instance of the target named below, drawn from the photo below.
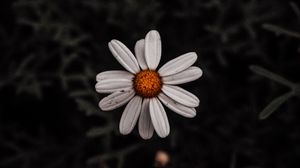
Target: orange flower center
(147, 83)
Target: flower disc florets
(147, 83)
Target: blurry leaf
(297, 89)
(119, 154)
(31, 85)
(89, 72)
(278, 30)
(296, 9)
(24, 64)
(86, 106)
(80, 93)
(98, 131)
(233, 160)
(68, 59)
(89, 108)
(64, 81)
(121, 162)
(274, 105)
(268, 74)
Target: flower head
(144, 88)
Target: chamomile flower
(145, 89)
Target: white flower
(145, 88)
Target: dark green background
(51, 51)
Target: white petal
(124, 56)
(159, 118)
(145, 124)
(111, 86)
(130, 115)
(181, 96)
(188, 75)
(116, 99)
(152, 49)
(178, 64)
(112, 81)
(140, 53)
(185, 111)
(113, 74)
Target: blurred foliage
(52, 50)
(281, 99)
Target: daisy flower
(145, 89)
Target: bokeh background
(51, 51)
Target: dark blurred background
(51, 51)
